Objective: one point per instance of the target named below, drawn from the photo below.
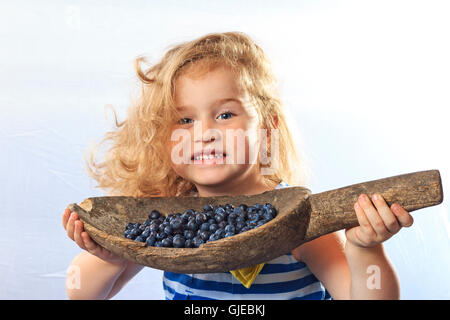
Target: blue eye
(225, 115)
(185, 120)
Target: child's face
(206, 122)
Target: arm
(99, 274)
(347, 270)
(130, 271)
(372, 275)
(343, 269)
(96, 277)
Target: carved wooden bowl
(301, 217)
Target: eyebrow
(215, 103)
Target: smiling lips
(207, 157)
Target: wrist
(118, 263)
(351, 248)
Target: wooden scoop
(302, 217)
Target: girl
(210, 92)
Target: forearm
(372, 274)
(96, 277)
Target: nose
(205, 131)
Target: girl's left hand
(376, 224)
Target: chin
(212, 177)
(209, 179)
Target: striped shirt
(282, 278)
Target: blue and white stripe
(282, 278)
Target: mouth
(208, 157)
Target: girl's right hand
(75, 231)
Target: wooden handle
(333, 210)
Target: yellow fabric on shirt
(247, 275)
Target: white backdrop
(367, 84)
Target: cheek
(179, 149)
(243, 143)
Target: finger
(388, 217)
(373, 216)
(367, 233)
(70, 225)
(77, 234)
(65, 217)
(90, 245)
(404, 217)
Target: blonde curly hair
(137, 163)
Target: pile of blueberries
(192, 228)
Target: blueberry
(239, 219)
(208, 207)
(188, 243)
(161, 235)
(166, 243)
(243, 207)
(188, 234)
(239, 226)
(230, 229)
(244, 229)
(192, 225)
(219, 210)
(184, 218)
(168, 230)
(130, 236)
(232, 216)
(271, 211)
(158, 244)
(204, 235)
(150, 241)
(205, 226)
(154, 214)
(139, 238)
(129, 226)
(146, 233)
(213, 227)
(219, 217)
(267, 216)
(175, 223)
(220, 232)
(213, 237)
(229, 234)
(178, 242)
(135, 232)
(154, 227)
(200, 218)
(252, 224)
(222, 224)
(198, 241)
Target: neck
(244, 185)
